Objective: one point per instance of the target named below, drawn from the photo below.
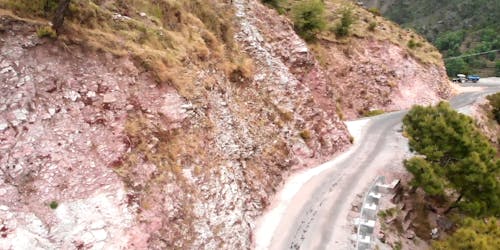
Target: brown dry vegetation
(173, 36)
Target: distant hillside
(456, 28)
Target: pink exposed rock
(133, 164)
(59, 139)
(371, 74)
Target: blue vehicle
(473, 78)
(461, 78)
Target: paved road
(315, 218)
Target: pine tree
(455, 155)
(474, 234)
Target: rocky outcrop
(97, 155)
(370, 74)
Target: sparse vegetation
(343, 28)
(240, 72)
(355, 26)
(39, 8)
(398, 245)
(372, 26)
(305, 134)
(308, 17)
(387, 213)
(53, 204)
(46, 31)
(373, 112)
(177, 32)
(412, 44)
(276, 4)
(375, 11)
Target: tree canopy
(474, 234)
(454, 155)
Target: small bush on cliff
(53, 204)
(308, 18)
(46, 31)
(276, 4)
(372, 26)
(305, 134)
(412, 44)
(373, 112)
(375, 11)
(343, 28)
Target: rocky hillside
(169, 124)
(377, 66)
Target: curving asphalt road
(315, 218)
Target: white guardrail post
(368, 215)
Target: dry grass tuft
(241, 71)
(167, 38)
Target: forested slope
(456, 27)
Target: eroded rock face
(61, 132)
(378, 75)
(131, 163)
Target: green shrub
(276, 4)
(374, 112)
(398, 245)
(412, 44)
(382, 214)
(308, 18)
(46, 31)
(456, 66)
(375, 11)
(372, 26)
(450, 40)
(53, 204)
(343, 28)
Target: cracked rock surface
(95, 154)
